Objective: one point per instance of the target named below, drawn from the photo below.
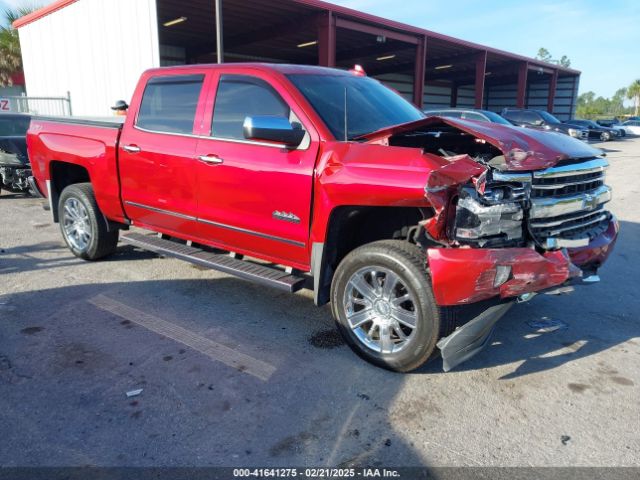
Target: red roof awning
(18, 78)
(41, 12)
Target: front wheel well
(353, 226)
(63, 174)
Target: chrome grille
(562, 186)
(567, 204)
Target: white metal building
(94, 49)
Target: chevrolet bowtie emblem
(590, 201)
(286, 216)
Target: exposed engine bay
(447, 141)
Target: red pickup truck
(307, 177)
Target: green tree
(633, 93)
(564, 61)
(586, 107)
(544, 55)
(592, 107)
(10, 56)
(617, 102)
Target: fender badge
(286, 216)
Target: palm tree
(10, 57)
(633, 93)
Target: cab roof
(283, 68)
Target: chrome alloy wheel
(77, 227)
(380, 309)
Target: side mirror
(272, 129)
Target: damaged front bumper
(466, 275)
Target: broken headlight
(492, 219)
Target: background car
(612, 123)
(596, 131)
(15, 168)
(632, 127)
(470, 114)
(541, 120)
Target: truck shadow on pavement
(27, 258)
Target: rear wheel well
(353, 226)
(63, 174)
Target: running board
(217, 261)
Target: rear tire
(383, 305)
(605, 137)
(84, 227)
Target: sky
(602, 38)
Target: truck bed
(91, 144)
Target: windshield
(548, 117)
(12, 126)
(495, 118)
(370, 105)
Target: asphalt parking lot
(234, 374)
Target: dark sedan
(596, 131)
(15, 168)
(469, 114)
(542, 120)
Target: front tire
(383, 305)
(605, 137)
(83, 226)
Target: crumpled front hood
(523, 148)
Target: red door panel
(159, 187)
(254, 196)
(158, 166)
(239, 199)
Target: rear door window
(169, 103)
(241, 96)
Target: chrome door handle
(210, 159)
(131, 148)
